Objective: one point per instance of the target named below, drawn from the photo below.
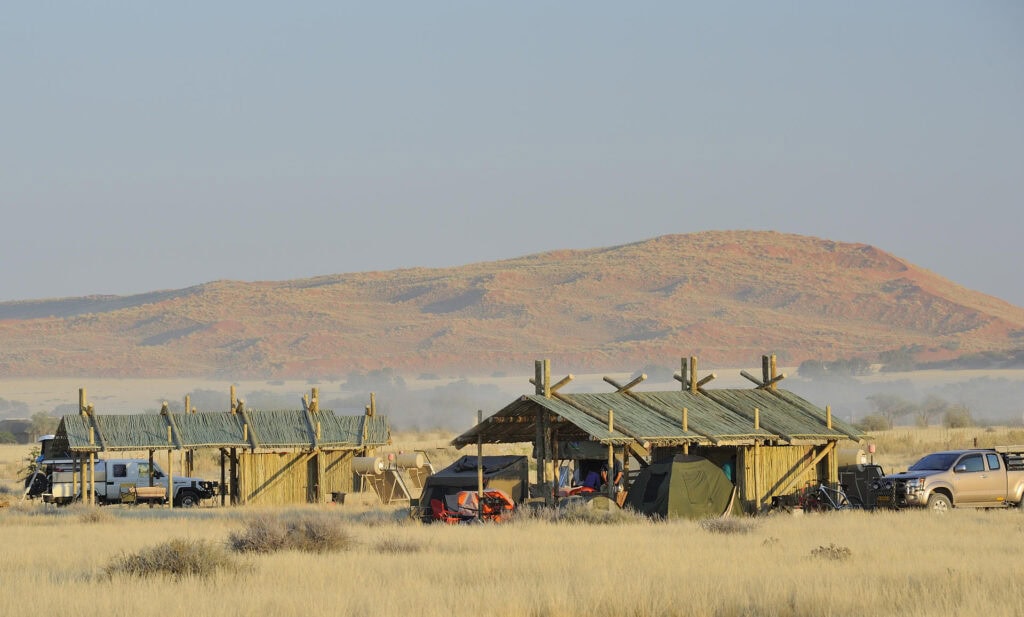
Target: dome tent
(681, 487)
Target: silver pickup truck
(989, 478)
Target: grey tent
(506, 473)
(681, 487)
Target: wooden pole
(542, 389)
(190, 454)
(77, 465)
(757, 462)
(234, 399)
(223, 478)
(170, 472)
(92, 468)
(686, 429)
(682, 374)
(828, 416)
(693, 374)
(233, 475)
(480, 465)
(611, 457)
(774, 371)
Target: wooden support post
(683, 372)
(686, 429)
(92, 468)
(757, 477)
(773, 369)
(828, 416)
(77, 465)
(190, 454)
(610, 481)
(170, 472)
(625, 468)
(541, 370)
(223, 478)
(757, 462)
(480, 465)
(233, 475)
(693, 374)
(234, 400)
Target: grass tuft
(397, 546)
(311, 534)
(832, 552)
(94, 515)
(178, 558)
(728, 525)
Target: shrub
(958, 416)
(597, 510)
(874, 422)
(309, 534)
(91, 514)
(176, 558)
(396, 546)
(727, 525)
(833, 552)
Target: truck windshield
(940, 461)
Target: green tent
(681, 487)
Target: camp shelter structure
(509, 474)
(684, 486)
(266, 457)
(770, 441)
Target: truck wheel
(187, 499)
(939, 502)
(36, 484)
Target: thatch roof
(714, 417)
(248, 429)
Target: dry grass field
(58, 561)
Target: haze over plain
(154, 147)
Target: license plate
(882, 499)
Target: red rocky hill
(727, 297)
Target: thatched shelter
(772, 441)
(266, 457)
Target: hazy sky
(151, 146)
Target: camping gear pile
(506, 483)
(465, 506)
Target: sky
(149, 146)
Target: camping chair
(440, 513)
(129, 495)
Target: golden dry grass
(857, 563)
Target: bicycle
(824, 498)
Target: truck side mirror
(959, 468)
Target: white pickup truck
(123, 479)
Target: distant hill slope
(727, 297)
